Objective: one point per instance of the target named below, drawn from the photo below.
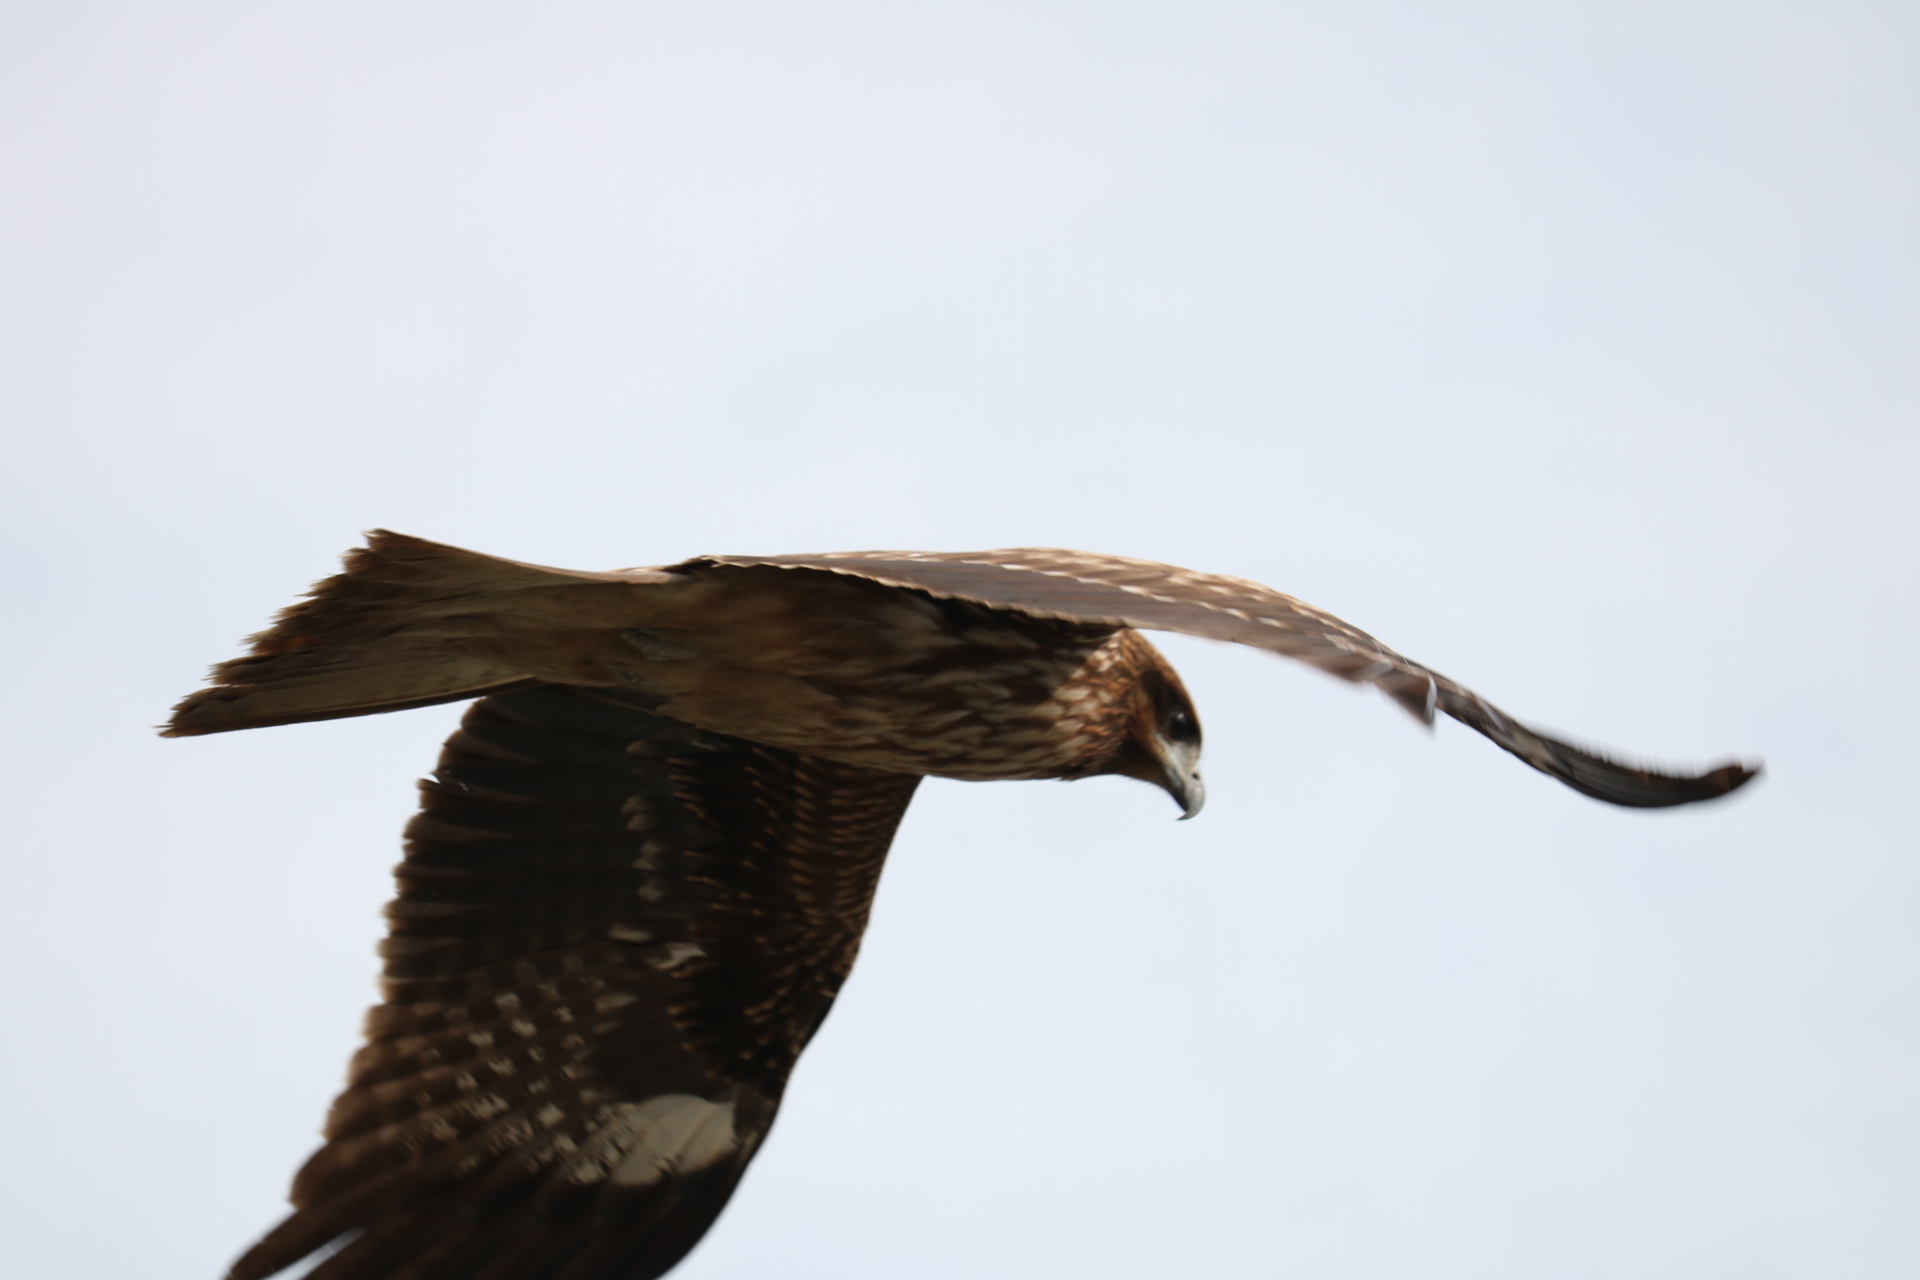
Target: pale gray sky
(1570, 349)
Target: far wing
(614, 935)
(1084, 587)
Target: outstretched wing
(613, 936)
(1083, 587)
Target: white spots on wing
(1324, 640)
(487, 1106)
(549, 1115)
(643, 1142)
(629, 933)
(480, 1039)
(675, 954)
(954, 720)
(523, 1027)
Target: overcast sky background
(1569, 348)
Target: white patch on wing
(642, 1142)
(674, 954)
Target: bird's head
(1162, 743)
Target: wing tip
(1641, 788)
(1729, 778)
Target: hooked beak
(1180, 763)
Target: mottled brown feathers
(641, 872)
(600, 909)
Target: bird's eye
(1181, 725)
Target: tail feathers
(404, 625)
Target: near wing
(614, 934)
(1084, 587)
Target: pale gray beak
(1181, 763)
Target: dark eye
(1181, 725)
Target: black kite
(642, 868)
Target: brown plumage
(642, 868)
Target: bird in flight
(641, 870)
